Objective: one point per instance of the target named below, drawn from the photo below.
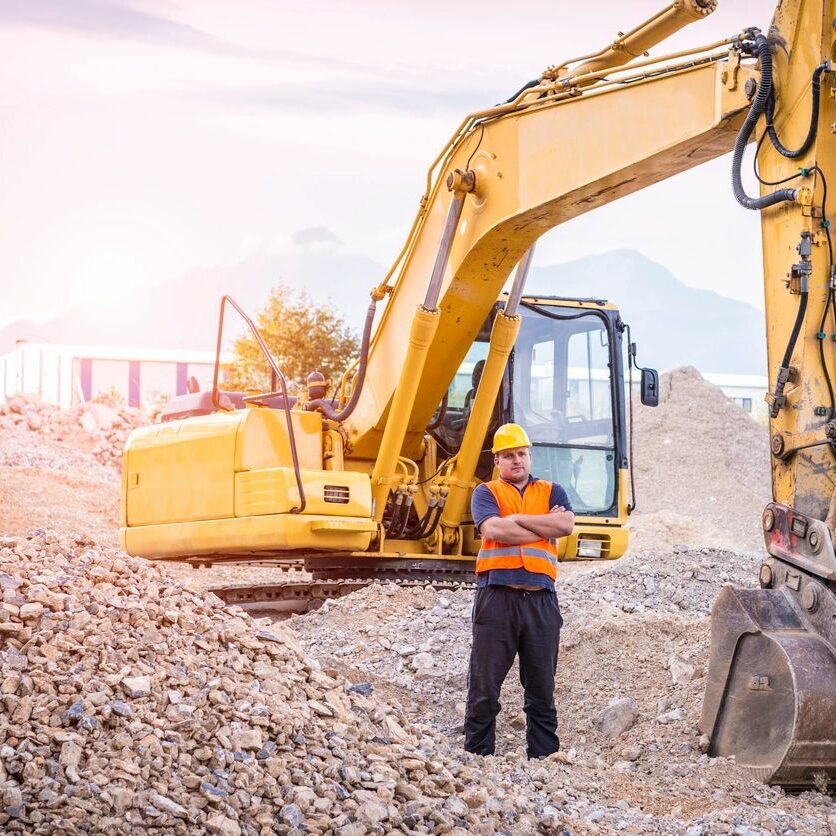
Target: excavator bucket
(770, 697)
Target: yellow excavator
(375, 481)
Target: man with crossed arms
(516, 610)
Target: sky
(145, 138)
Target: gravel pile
(100, 427)
(133, 705)
(701, 466)
(629, 694)
(678, 581)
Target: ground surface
(131, 702)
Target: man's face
(515, 464)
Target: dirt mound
(46, 482)
(701, 467)
(100, 427)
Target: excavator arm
(554, 155)
(578, 138)
(771, 690)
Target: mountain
(673, 324)
(184, 313)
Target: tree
(301, 335)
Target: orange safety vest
(539, 556)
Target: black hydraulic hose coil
(325, 406)
(757, 108)
(814, 118)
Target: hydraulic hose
(796, 329)
(814, 118)
(426, 525)
(441, 414)
(801, 271)
(527, 86)
(396, 521)
(777, 400)
(325, 406)
(758, 107)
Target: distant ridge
(673, 324)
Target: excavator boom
(771, 695)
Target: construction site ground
(133, 701)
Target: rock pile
(130, 704)
(100, 426)
(701, 466)
(631, 676)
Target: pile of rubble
(701, 466)
(631, 675)
(47, 481)
(130, 704)
(100, 426)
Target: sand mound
(699, 457)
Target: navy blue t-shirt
(483, 505)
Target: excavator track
(335, 575)
(306, 596)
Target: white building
(66, 375)
(746, 390)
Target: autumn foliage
(302, 336)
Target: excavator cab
(564, 383)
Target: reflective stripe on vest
(539, 556)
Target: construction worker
(515, 611)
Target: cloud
(380, 95)
(124, 20)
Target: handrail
(277, 374)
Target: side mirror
(650, 387)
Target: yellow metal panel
(263, 439)
(180, 471)
(806, 480)
(245, 535)
(274, 491)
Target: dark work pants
(507, 622)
